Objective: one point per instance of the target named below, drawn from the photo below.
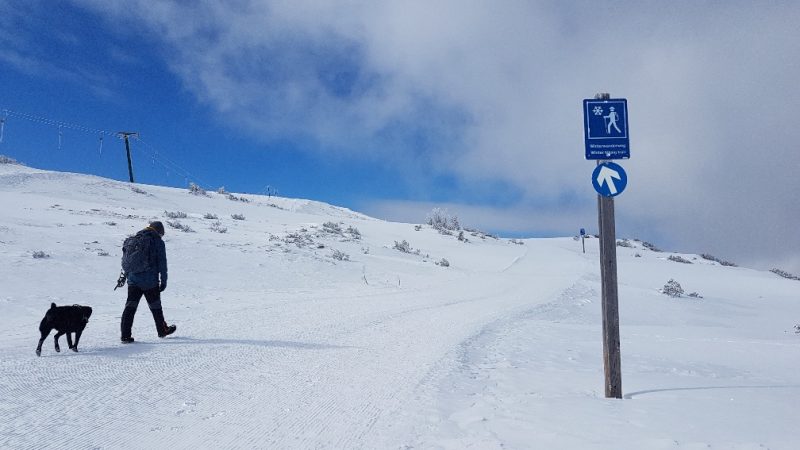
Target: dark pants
(153, 297)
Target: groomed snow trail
(278, 345)
(304, 372)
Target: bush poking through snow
(340, 256)
(353, 232)
(403, 246)
(40, 255)
(237, 217)
(138, 191)
(784, 274)
(624, 243)
(443, 263)
(217, 227)
(210, 216)
(649, 246)
(332, 228)
(196, 190)
(179, 226)
(715, 259)
(6, 160)
(234, 198)
(443, 222)
(676, 258)
(672, 288)
(175, 215)
(517, 242)
(222, 191)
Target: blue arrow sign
(609, 179)
(605, 126)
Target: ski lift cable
(168, 164)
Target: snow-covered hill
(301, 326)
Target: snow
(280, 345)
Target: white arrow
(607, 175)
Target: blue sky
(393, 108)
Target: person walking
(144, 265)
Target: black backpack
(136, 252)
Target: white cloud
(492, 91)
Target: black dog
(66, 320)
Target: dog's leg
(55, 338)
(77, 339)
(69, 340)
(39, 347)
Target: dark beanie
(158, 226)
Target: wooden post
(610, 303)
(124, 135)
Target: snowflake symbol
(598, 110)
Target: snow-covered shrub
(676, 258)
(6, 160)
(516, 242)
(138, 191)
(179, 226)
(480, 234)
(332, 228)
(40, 255)
(648, 246)
(175, 215)
(403, 246)
(797, 328)
(234, 198)
(624, 243)
(196, 190)
(784, 274)
(111, 224)
(353, 232)
(340, 256)
(443, 263)
(300, 239)
(210, 216)
(417, 227)
(222, 190)
(672, 288)
(695, 295)
(443, 222)
(637, 256)
(461, 237)
(715, 259)
(218, 228)
(102, 253)
(237, 217)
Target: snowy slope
(282, 345)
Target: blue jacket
(158, 265)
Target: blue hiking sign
(605, 126)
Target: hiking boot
(168, 329)
(126, 340)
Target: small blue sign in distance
(583, 232)
(605, 127)
(609, 179)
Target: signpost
(606, 137)
(583, 240)
(605, 124)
